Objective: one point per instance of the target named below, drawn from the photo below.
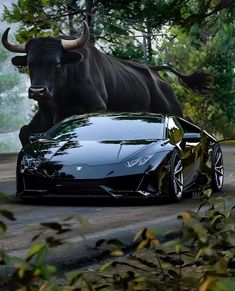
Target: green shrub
(200, 257)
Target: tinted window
(188, 127)
(108, 128)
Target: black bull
(70, 76)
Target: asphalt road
(106, 220)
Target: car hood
(88, 152)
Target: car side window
(188, 127)
(175, 131)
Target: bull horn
(16, 48)
(78, 42)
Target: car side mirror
(192, 137)
(35, 136)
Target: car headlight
(138, 161)
(29, 162)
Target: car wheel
(176, 177)
(217, 169)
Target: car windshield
(98, 128)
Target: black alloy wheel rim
(219, 169)
(178, 177)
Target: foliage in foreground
(200, 257)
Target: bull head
(67, 44)
(44, 58)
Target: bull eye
(58, 64)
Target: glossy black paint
(60, 163)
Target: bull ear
(73, 57)
(19, 61)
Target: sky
(4, 25)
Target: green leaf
(56, 226)
(138, 235)
(53, 242)
(115, 242)
(201, 232)
(205, 252)
(8, 214)
(154, 243)
(52, 225)
(9, 259)
(22, 267)
(83, 221)
(40, 257)
(207, 193)
(45, 2)
(3, 195)
(105, 266)
(3, 228)
(216, 218)
(186, 217)
(74, 276)
(36, 236)
(172, 243)
(48, 271)
(116, 253)
(173, 273)
(224, 285)
(221, 266)
(117, 30)
(89, 285)
(149, 234)
(143, 244)
(178, 247)
(34, 250)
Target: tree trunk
(145, 49)
(149, 42)
(71, 9)
(89, 18)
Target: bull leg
(24, 135)
(39, 123)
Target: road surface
(105, 220)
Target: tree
(11, 103)
(187, 34)
(7, 81)
(210, 48)
(108, 18)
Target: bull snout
(39, 93)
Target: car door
(187, 138)
(191, 151)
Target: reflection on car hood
(89, 152)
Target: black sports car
(120, 155)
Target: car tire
(19, 182)
(217, 169)
(176, 177)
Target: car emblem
(78, 168)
